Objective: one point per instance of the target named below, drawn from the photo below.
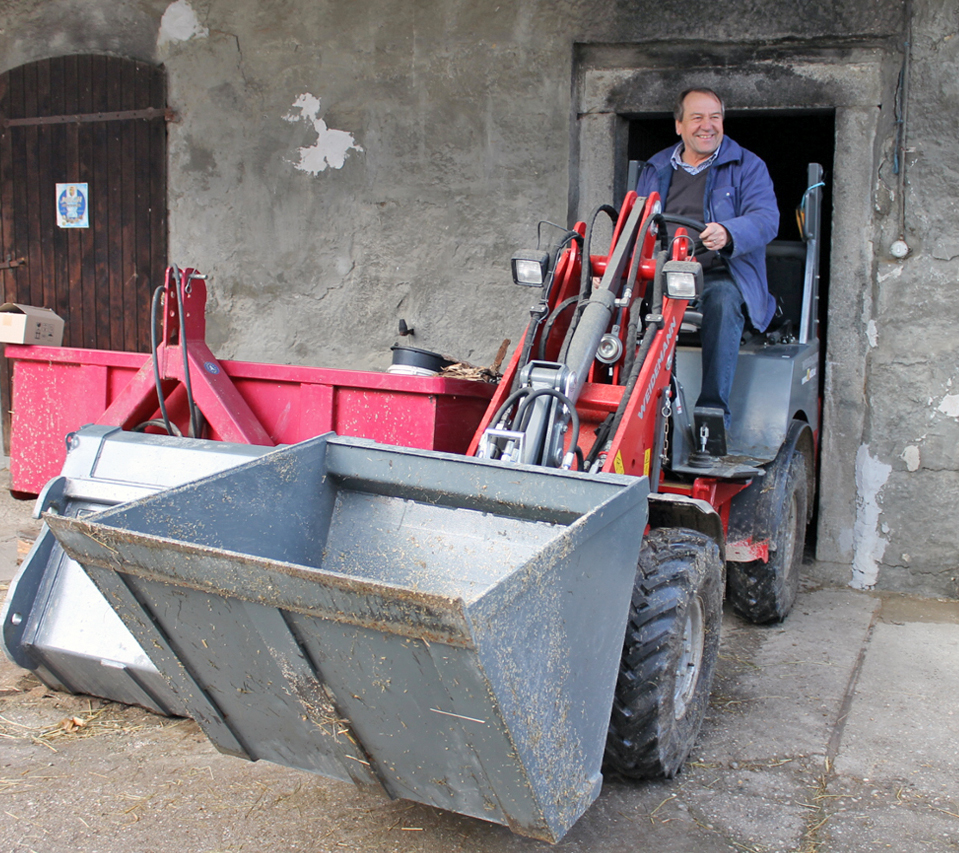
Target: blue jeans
(722, 329)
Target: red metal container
(58, 389)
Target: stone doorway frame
(615, 83)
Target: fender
(669, 510)
(750, 511)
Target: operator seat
(785, 275)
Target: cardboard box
(25, 324)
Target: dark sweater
(686, 199)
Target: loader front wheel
(669, 655)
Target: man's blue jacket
(739, 196)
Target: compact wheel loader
(482, 632)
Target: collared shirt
(677, 161)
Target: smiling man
(710, 178)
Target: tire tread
(644, 739)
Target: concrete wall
(908, 464)
(337, 166)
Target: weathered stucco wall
(338, 166)
(351, 164)
(908, 465)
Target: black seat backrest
(786, 277)
(786, 274)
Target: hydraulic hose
(159, 424)
(498, 419)
(551, 320)
(524, 412)
(630, 356)
(508, 404)
(537, 313)
(154, 311)
(586, 274)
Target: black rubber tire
(664, 680)
(766, 592)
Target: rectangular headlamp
(530, 268)
(684, 279)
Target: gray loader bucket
(444, 628)
(54, 620)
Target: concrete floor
(836, 732)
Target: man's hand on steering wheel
(714, 236)
(710, 237)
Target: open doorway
(786, 141)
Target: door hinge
(165, 113)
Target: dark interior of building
(787, 142)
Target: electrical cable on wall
(901, 248)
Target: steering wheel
(697, 227)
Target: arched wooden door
(98, 121)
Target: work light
(684, 279)
(530, 268)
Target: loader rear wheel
(766, 592)
(669, 655)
